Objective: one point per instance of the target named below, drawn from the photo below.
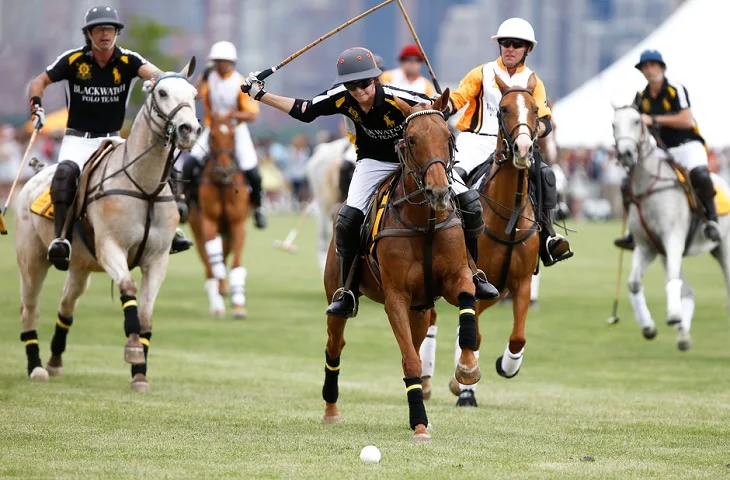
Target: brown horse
(219, 221)
(420, 255)
(509, 215)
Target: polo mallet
(613, 319)
(288, 243)
(266, 73)
(3, 228)
(420, 47)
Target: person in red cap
(408, 76)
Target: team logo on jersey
(645, 105)
(388, 122)
(84, 71)
(354, 115)
(117, 76)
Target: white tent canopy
(692, 42)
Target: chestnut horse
(421, 256)
(219, 221)
(509, 215)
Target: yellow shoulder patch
(338, 103)
(124, 59)
(667, 105)
(392, 102)
(73, 57)
(672, 91)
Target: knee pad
(347, 230)
(461, 172)
(549, 188)
(471, 208)
(702, 182)
(64, 182)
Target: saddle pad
(42, 204)
(377, 224)
(722, 199)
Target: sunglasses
(512, 42)
(361, 84)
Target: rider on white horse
(374, 125)
(223, 99)
(480, 124)
(665, 106)
(99, 77)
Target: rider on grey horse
(99, 75)
(374, 124)
(665, 106)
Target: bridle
(640, 143)
(221, 175)
(509, 138)
(409, 164)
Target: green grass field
(243, 398)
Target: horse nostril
(429, 192)
(185, 129)
(200, 130)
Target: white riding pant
(471, 151)
(369, 174)
(690, 155)
(79, 149)
(245, 151)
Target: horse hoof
(240, 312)
(466, 375)
(454, 387)
(421, 435)
(331, 419)
(134, 355)
(218, 313)
(684, 344)
(54, 371)
(39, 374)
(426, 384)
(649, 332)
(140, 386)
(501, 372)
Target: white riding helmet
(516, 27)
(223, 51)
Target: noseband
(508, 135)
(410, 166)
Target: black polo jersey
(96, 97)
(672, 98)
(376, 132)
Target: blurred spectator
(299, 153)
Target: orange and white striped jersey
(222, 94)
(398, 79)
(479, 90)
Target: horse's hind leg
(674, 247)
(33, 268)
(427, 352)
(76, 283)
(508, 365)
(684, 341)
(641, 259)
(722, 255)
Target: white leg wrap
(511, 361)
(641, 310)
(535, 287)
(215, 299)
(674, 299)
(688, 311)
(237, 282)
(214, 249)
(428, 352)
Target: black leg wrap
(416, 408)
(467, 321)
(330, 390)
(145, 339)
(32, 352)
(131, 317)
(58, 343)
(254, 180)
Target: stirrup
(62, 241)
(711, 225)
(548, 253)
(341, 292)
(58, 262)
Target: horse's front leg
(674, 248)
(508, 365)
(640, 261)
(335, 343)
(77, 282)
(114, 261)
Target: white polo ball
(370, 454)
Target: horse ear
(532, 83)
(442, 103)
(500, 83)
(189, 69)
(402, 106)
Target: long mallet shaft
(3, 227)
(420, 47)
(266, 73)
(614, 319)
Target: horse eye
(411, 141)
(636, 122)
(163, 94)
(504, 109)
(534, 110)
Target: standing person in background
(408, 76)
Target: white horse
(129, 205)
(661, 220)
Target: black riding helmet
(101, 15)
(356, 64)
